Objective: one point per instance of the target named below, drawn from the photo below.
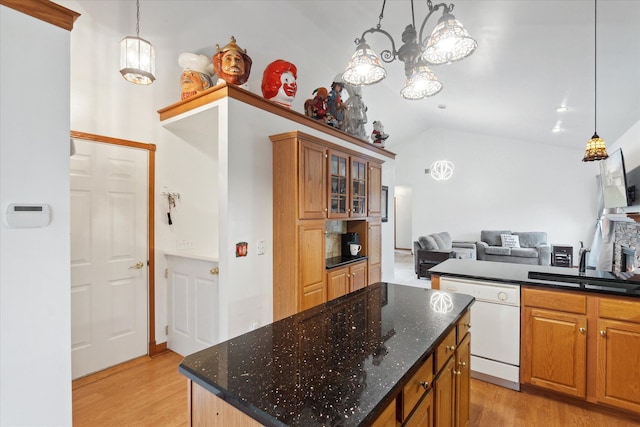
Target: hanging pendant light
(596, 148)
(441, 170)
(137, 57)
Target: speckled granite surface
(338, 364)
(594, 281)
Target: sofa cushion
(497, 250)
(428, 243)
(443, 240)
(492, 237)
(510, 241)
(524, 252)
(531, 239)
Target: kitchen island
(579, 332)
(376, 354)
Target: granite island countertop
(340, 363)
(595, 281)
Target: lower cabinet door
(618, 368)
(388, 417)
(444, 388)
(463, 382)
(423, 415)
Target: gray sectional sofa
(531, 247)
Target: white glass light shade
(449, 42)
(441, 170)
(364, 68)
(137, 60)
(422, 83)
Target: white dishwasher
(495, 330)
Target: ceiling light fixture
(441, 170)
(137, 57)
(596, 148)
(448, 42)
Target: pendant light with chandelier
(441, 170)
(596, 148)
(137, 56)
(448, 42)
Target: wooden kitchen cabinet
(342, 280)
(314, 180)
(374, 251)
(463, 371)
(375, 190)
(347, 189)
(583, 345)
(444, 388)
(618, 353)
(554, 341)
(312, 267)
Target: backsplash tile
(627, 234)
(333, 242)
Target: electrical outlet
(260, 247)
(166, 330)
(182, 244)
(254, 325)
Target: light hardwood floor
(151, 392)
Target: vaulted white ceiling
(533, 55)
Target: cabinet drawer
(414, 389)
(555, 300)
(445, 350)
(464, 326)
(619, 309)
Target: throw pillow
(510, 241)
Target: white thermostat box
(28, 215)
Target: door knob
(137, 265)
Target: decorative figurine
(378, 136)
(316, 108)
(336, 106)
(197, 72)
(279, 82)
(355, 116)
(232, 64)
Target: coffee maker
(348, 239)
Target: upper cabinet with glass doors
(347, 192)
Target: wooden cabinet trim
(46, 11)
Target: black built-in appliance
(348, 239)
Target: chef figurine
(378, 136)
(197, 72)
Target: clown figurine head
(279, 82)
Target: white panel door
(108, 256)
(193, 304)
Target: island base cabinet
(388, 417)
(444, 387)
(463, 382)
(618, 381)
(205, 409)
(423, 415)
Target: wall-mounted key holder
(171, 199)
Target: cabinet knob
(451, 348)
(582, 330)
(463, 364)
(214, 271)
(325, 209)
(456, 372)
(603, 333)
(424, 384)
(468, 325)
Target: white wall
(35, 356)
(498, 184)
(403, 223)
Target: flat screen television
(613, 179)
